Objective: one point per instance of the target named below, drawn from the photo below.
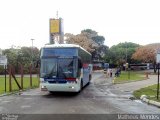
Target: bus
(140, 66)
(64, 68)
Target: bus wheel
(81, 86)
(51, 92)
(90, 77)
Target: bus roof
(64, 46)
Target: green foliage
(121, 53)
(26, 83)
(11, 55)
(101, 50)
(26, 57)
(90, 31)
(127, 76)
(99, 39)
(94, 36)
(150, 91)
(23, 56)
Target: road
(100, 97)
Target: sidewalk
(132, 86)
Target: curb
(15, 92)
(144, 98)
(11, 93)
(130, 81)
(7, 94)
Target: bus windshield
(58, 68)
(48, 67)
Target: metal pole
(32, 50)
(61, 39)
(158, 84)
(30, 70)
(5, 78)
(10, 79)
(126, 51)
(21, 76)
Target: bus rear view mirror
(79, 63)
(37, 64)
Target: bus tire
(90, 77)
(81, 85)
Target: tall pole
(158, 84)
(32, 49)
(126, 51)
(57, 14)
(5, 78)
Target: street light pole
(126, 51)
(32, 49)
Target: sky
(136, 21)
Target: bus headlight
(71, 87)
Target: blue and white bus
(64, 68)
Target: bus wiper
(50, 75)
(61, 70)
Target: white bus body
(64, 68)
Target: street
(100, 97)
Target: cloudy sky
(118, 21)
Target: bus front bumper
(68, 87)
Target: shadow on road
(61, 94)
(65, 94)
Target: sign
(158, 56)
(3, 60)
(54, 25)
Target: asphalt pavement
(100, 97)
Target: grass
(128, 76)
(26, 83)
(150, 91)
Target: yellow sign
(54, 26)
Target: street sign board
(54, 26)
(158, 56)
(3, 60)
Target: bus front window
(48, 68)
(58, 68)
(66, 68)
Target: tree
(82, 40)
(91, 33)
(147, 54)
(11, 55)
(25, 55)
(101, 49)
(89, 40)
(22, 56)
(121, 53)
(94, 36)
(100, 52)
(99, 39)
